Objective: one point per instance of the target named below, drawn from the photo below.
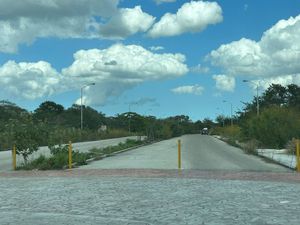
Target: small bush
(55, 149)
(231, 132)
(291, 147)
(60, 156)
(34, 164)
(250, 147)
(98, 152)
(232, 142)
(59, 160)
(81, 158)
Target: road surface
(198, 152)
(91, 198)
(220, 193)
(6, 156)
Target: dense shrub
(230, 132)
(274, 127)
(291, 146)
(60, 156)
(250, 146)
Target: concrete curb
(275, 161)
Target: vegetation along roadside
(59, 156)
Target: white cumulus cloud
(199, 69)
(113, 70)
(193, 16)
(276, 54)
(224, 83)
(188, 89)
(22, 22)
(132, 65)
(29, 80)
(164, 1)
(127, 22)
(156, 48)
(265, 83)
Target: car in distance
(204, 131)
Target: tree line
(277, 124)
(52, 124)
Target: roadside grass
(291, 147)
(248, 147)
(112, 149)
(59, 156)
(232, 136)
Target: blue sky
(158, 57)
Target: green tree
(10, 111)
(71, 116)
(274, 127)
(293, 96)
(49, 112)
(27, 136)
(10, 115)
(92, 119)
(274, 95)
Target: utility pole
(81, 111)
(231, 119)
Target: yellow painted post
(14, 157)
(179, 154)
(70, 155)
(298, 155)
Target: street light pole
(231, 113)
(231, 120)
(81, 111)
(222, 116)
(257, 100)
(129, 118)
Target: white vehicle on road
(204, 131)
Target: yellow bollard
(298, 155)
(14, 158)
(179, 154)
(70, 155)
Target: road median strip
(60, 158)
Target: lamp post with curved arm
(222, 115)
(81, 111)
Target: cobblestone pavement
(149, 197)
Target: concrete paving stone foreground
(148, 197)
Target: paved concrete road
(6, 156)
(209, 153)
(160, 155)
(115, 200)
(198, 152)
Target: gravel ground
(162, 197)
